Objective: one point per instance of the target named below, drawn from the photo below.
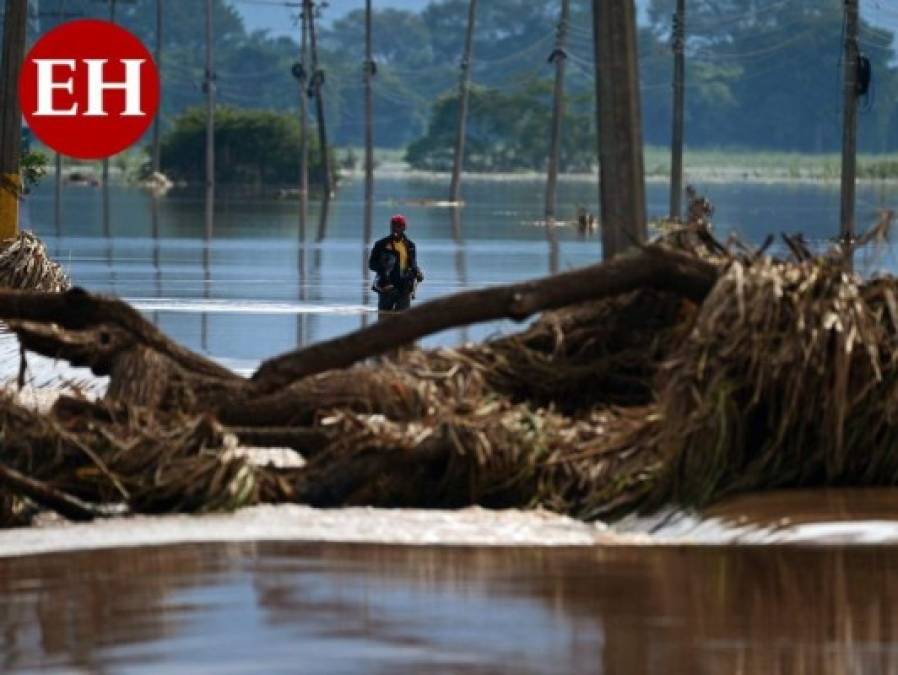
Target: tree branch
(653, 266)
(79, 310)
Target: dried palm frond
(26, 265)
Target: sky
(273, 15)
(276, 15)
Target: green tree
(507, 131)
(768, 75)
(253, 147)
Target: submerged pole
(14, 31)
(676, 148)
(464, 87)
(622, 182)
(303, 124)
(317, 83)
(209, 86)
(57, 174)
(370, 70)
(156, 159)
(559, 57)
(849, 125)
(107, 230)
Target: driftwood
(652, 267)
(44, 495)
(147, 368)
(661, 377)
(159, 441)
(111, 321)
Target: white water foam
(200, 306)
(291, 522)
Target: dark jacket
(403, 282)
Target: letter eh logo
(89, 89)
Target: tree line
(761, 75)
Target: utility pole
(622, 181)
(676, 148)
(14, 30)
(849, 125)
(464, 87)
(300, 74)
(317, 82)
(107, 230)
(209, 86)
(370, 70)
(559, 57)
(157, 163)
(57, 163)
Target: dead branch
(653, 267)
(79, 310)
(49, 497)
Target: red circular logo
(89, 89)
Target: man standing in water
(395, 261)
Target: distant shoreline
(702, 166)
(705, 175)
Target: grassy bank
(784, 165)
(724, 164)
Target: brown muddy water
(330, 608)
(261, 285)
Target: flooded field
(279, 608)
(261, 286)
(296, 287)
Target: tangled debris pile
(25, 264)
(660, 377)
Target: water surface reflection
(304, 286)
(343, 608)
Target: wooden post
(303, 124)
(622, 182)
(849, 124)
(369, 127)
(676, 147)
(559, 57)
(464, 87)
(14, 30)
(317, 82)
(156, 159)
(209, 86)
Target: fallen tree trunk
(78, 310)
(114, 339)
(653, 267)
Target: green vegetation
(761, 75)
(256, 147)
(507, 131)
(33, 165)
(782, 165)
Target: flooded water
(284, 608)
(301, 287)
(261, 286)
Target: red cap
(397, 222)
